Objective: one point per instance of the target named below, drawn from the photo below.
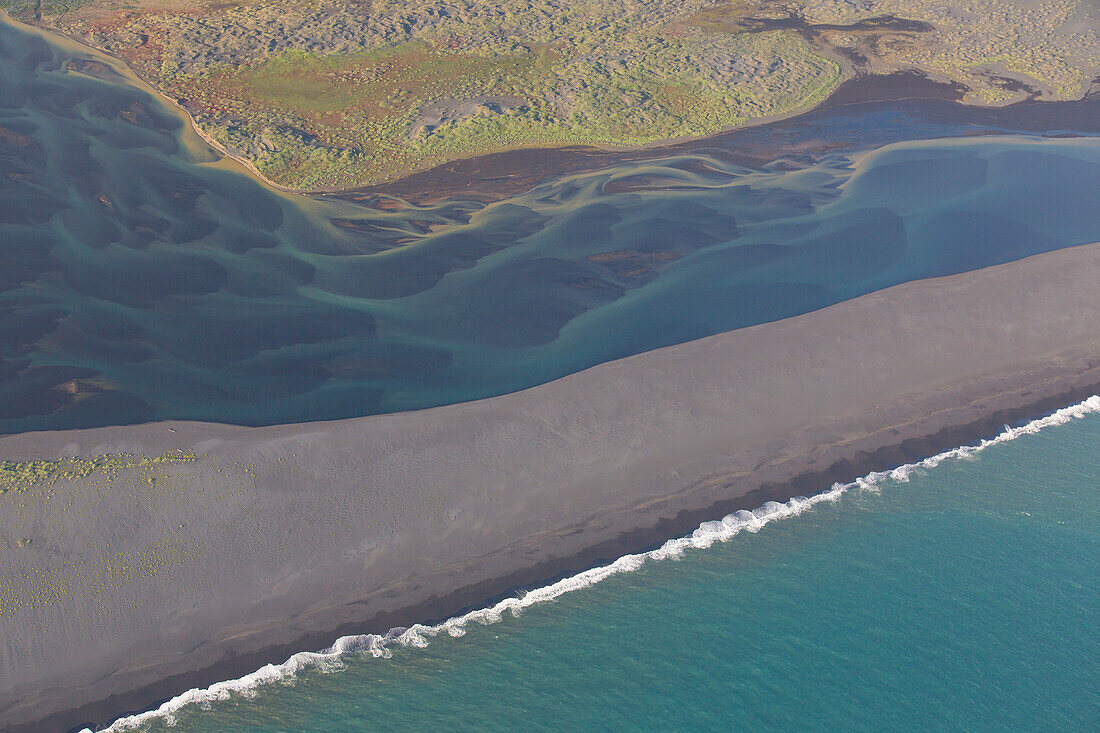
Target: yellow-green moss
(22, 475)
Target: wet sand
(119, 591)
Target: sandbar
(198, 552)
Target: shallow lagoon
(141, 279)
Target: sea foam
(723, 530)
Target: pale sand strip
(278, 539)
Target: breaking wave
(419, 635)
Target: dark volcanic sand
(288, 536)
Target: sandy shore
(121, 588)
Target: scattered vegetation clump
(26, 589)
(19, 476)
(1001, 50)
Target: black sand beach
(121, 590)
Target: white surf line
(418, 635)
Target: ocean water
(143, 278)
(959, 594)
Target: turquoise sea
(965, 598)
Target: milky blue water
(141, 280)
(965, 599)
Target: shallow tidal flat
(232, 546)
(143, 281)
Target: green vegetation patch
(328, 96)
(332, 94)
(311, 121)
(381, 82)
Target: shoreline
(132, 76)
(485, 595)
(690, 433)
(490, 611)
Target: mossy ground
(331, 94)
(346, 108)
(354, 117)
